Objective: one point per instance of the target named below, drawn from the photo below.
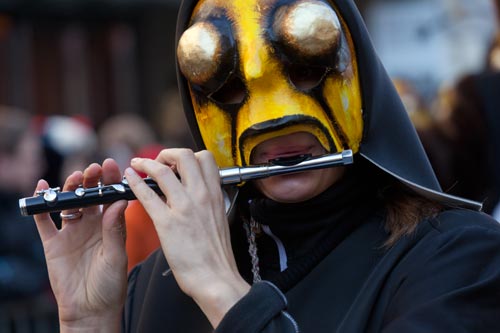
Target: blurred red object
(142, 238)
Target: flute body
(53, 200)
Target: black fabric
(267, 303)
(155, 303)
(311, 229)
(444, 278)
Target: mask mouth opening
(258, 133)
(290, 160)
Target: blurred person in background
(122, 136)
(414, 104)
(174, 128)
(431, 137)
(468, 123)
(24, 284)
(22, 272)
(69, 142)
(465, 143)
(493, 55)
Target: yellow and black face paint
(258, 69)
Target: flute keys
(118, 188)
(100, 189)
(80, 192)
(50, 195)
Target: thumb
(114, 232)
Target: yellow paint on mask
(343, 96)
(215, 128)
(274, 99)
(271, 96)
(253, 49)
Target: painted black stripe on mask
(318, 95)
(278, 124)
(234, 152)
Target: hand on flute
(192, 226)
(86, 258)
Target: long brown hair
(405, 210)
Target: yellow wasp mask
(250, 70)
(258, 69)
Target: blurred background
(81, 80)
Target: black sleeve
(453, 285)
(263, 309)
(129, 304)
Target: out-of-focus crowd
(34, 147)
(460, 131)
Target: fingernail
(130, 172)
(135, 160)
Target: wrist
(217, 298)
(105, 323)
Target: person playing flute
(375, 246)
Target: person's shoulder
(464, 231)
(454, 220)
(455, 240)
(446, 277)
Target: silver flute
(53, 200)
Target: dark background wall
(92, 58)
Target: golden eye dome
(310, 27)
(199, 52)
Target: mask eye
(309, 28)
(206, 54)
(306, 77)
(232, 92)
(198, 52)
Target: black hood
(389, 141)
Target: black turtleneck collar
(311, 216)
(311, 229)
